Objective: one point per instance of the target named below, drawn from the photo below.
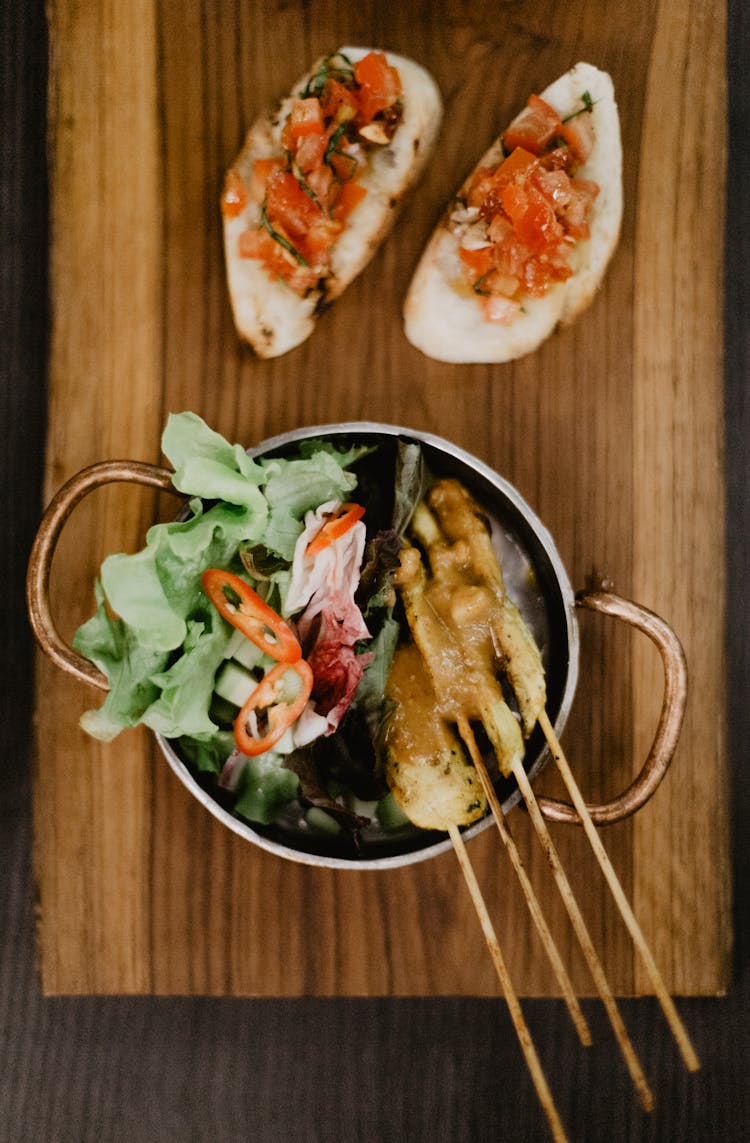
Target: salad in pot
(316, 634)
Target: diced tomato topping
(262, 170)
(500, 309)
(310, 152)
(234, 195)
(578, 208)
(519, 162)
(278, 261)
(534, 127)
(306, 118)
(578, 133)
(350, 195)
(339, 103)
(532, 215)
(320, 182)
(531, 209)
(557, 159)
(379, 85)
(478, 262)
(287, 204)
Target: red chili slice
(337, 525)
(267, 714)
(245, 610)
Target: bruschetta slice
(316, 188)
(523, 245)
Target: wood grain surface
(612, 431)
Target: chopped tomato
(339, 103)
(310, 151)
(350, 195)
(320, 183)
(234, 195)
(511, 256)
(241, 606)
(577, 210)
(534, 127)
(519, 162)
(274, 705)
(500, 309)
(539, 274)
(344, 164)
(532, 215)
(379, 85)
(487, 194)
(558, 159)
(322, 232)
(337, 525)
(278, 261)
(262, 170)
(554, 185)
(477, 263)
(306, 118)
(288, 205)
(578, 133)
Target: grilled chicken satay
(459, 655)
(461, 522)
(428, 774)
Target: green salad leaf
(128, 665)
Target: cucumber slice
(244, 651)
(390, 815)
(234, 683)
(321, 822)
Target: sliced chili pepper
(337, 524)
(268, 712)
(245, 610)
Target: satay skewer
(561, 974)
(511, 997)
(584, 939)
(687, 1051)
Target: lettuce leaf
(187, 686)
(128, 665)
(294, 487)
(207, 465)
(155, 590)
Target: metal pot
(535, 578)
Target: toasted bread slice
(269, 314)
(443, 315)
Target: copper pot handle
(670, 719)
(43, 549)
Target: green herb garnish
(587, 102)
(477, 286)
(328, 70)
(282, 241)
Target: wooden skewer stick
(514, 1007)
(595, 966)
(687, 1051)
(563, 979)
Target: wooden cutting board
(612, 431)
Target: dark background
(187, 1069)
